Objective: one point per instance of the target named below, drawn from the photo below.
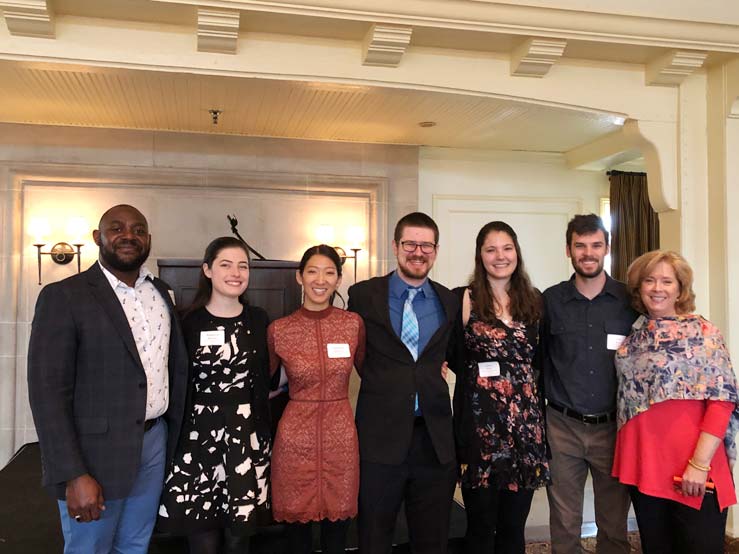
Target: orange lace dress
(315, 458)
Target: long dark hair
(525, 300)
(323, 250)
(205, 285)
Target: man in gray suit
(107, 374)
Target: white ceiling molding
(655, 140)
(28, 18)
(385, 45)
(732, 89)
(673, 67)
(536, 56)
(520, 20)
(218, 31)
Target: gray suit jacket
(87, 386)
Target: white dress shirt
(149, 319)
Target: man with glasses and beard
(585, 320)
(404, 418)
(107, 377)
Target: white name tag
(338, 350)
(212, 338)
(614, 341)
(489, 369)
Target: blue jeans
(126, 524)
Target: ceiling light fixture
(426, 124)
(618, 120)
(214, 114)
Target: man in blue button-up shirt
(404, 416)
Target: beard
(408, 270)
(588, 274)
(113, 260)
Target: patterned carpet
(588, 545)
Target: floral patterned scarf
(675, 358)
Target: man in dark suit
(107, 374)
(404, 416)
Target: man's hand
(85, 499)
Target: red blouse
(656, 445)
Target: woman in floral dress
(216, 491)
(499, 424)
(678, 413)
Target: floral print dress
(507, 437)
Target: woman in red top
(315, 460)
(677, 413)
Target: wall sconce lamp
(354, 235)
(344, 257)
(61, 253)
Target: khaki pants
(576, 449)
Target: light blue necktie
(409, 330)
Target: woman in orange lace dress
(315, 459)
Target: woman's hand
(694, 478)
(444, 370)
(694, 481)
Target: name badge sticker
(212, 338)
(489, 369)
(614, 341)
(340, 350)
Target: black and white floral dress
(220, 473)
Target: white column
(723, 207)
(11, 429)
(693, 178)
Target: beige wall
(280, 190)
(534, 192)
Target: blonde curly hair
(644, 265)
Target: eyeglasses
(410, 246)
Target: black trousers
(217, 541)
(668, 527)
(333, 537)
(426, 486)
(496, 520)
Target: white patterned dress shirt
(149, 319)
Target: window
(605, 215)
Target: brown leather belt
(584, 418)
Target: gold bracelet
(698, 466)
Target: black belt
(584, 418)
(149, 423)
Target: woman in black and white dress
(216, 491)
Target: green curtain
(634, 224)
